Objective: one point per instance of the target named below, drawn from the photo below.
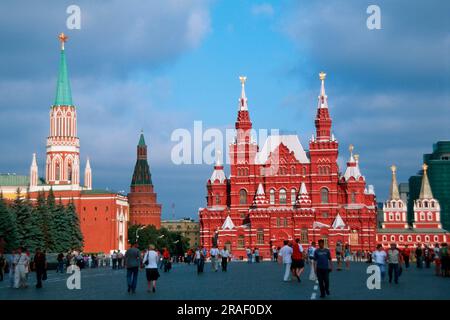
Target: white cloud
(264, 9)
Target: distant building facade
(187, 227)
(103, 214)
(426, 224)
(438, 163)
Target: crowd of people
(391, 261)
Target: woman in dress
(151, 259)
(347, 256)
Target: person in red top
(406, 252)
(298, 264)
(166, 260)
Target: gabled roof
(218, 175)
(228, 224)
(338, 222)
(290, 141)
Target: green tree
(61, 233)
(161, 238)
(76, 237)
(29, 234)
(45, 222)
(8, 229)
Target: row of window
(282, 196)
(418, 238)
(283, 171)
(425, 204)
(260, 238)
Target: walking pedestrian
(419, 256)
(151, 259)
(225, 254)
(298, 264)
(428, 256)
(200, 259)
(2, 265)
(347, 256)
(21, 263)
(11, 268)
(214, 253)
(311, 249)
(322, 267)
(275, 253)
(339, 255)
(60, 261)
(379, 258)
(437, 259)
(166, 260)
(256, 255)
(40, 266)
(445, 259)
(248, 251)
(114, 260)
(132, 256)
(394, 262)
(406, 252)
(285, 257)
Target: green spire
(141, 139)
(63, 92)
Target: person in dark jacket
(40, 266)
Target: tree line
(161, 238)
(48, 224)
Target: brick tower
(142, 199)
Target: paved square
(243, 281)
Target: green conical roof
(141, 140)
(63, 92)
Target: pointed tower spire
(33, 172)
(243, 98)
(88, 175)
(425, 190)
(260, 197)
(218, 173)
(63, 92)
(141, 175)
(323, 98)
(303, 197)
(394, 194)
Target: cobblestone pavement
(262, 281)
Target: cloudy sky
(161, 65)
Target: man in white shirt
(379, 258)
(225, 254)
(21, 262)
(286, 256)
(214, 252)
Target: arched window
(242, 196)
(241, 242)
(429, 216)
(278, 221)
(260, 236)
(304, 235)
(353, 197)
(217, 199)
(292, 170)
(272, 196)
(324, 195)
(285, 222)
(304, 171)
(283, 196)
(293, 196)
(57, 171)
(69, 171)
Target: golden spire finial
(350, 148)
(63, 38)
(243, 79)
(393, 168)
(322, 75)
(424, 167)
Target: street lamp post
(137, 232)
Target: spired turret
(144, 209)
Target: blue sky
(161, 65)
